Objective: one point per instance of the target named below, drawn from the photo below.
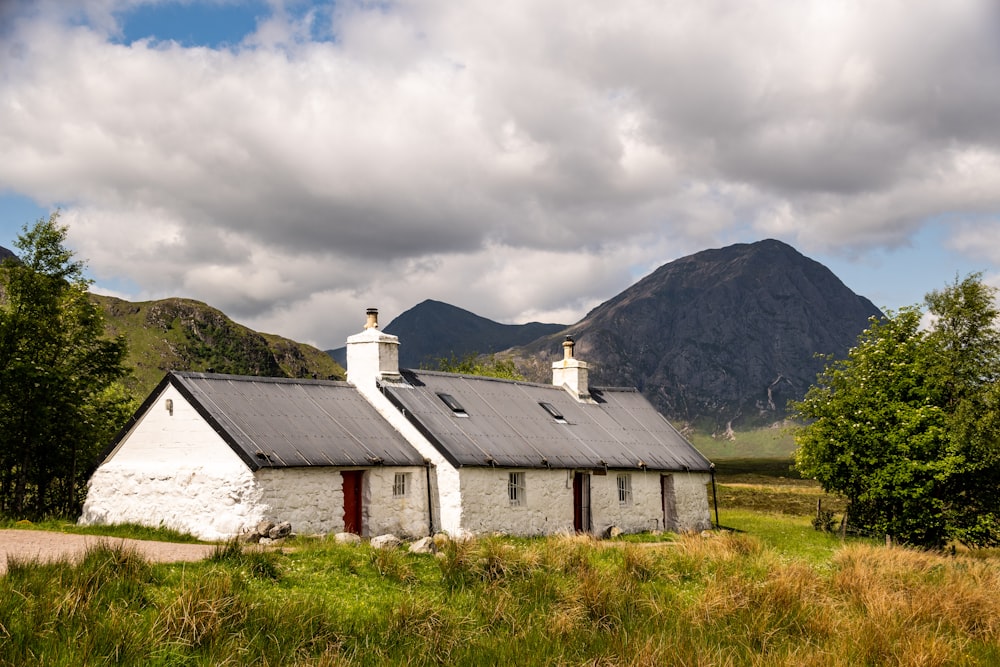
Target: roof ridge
(469, 376)
(256, 378)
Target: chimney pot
(372, 322)
(568, 347)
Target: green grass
(779, 594)
(771, 591)
(791, 536)
(771, 486)
(129, 531)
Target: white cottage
(528, 459)
(215, 454)
(401, 451)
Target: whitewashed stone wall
(403, 517)
(547, 509)
(548, 506)
(173, 470)
(691, 491)
(646, 510)
(312, 500)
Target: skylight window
(453, 405)
(553, 412)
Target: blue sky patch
(208, 24)
(16, 211)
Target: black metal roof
(502, 423)
(279, 422)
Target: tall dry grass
(728, 599)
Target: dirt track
(47, 546)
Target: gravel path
(47, 546)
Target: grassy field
(770, 485)
(770, 443)
(771, 591)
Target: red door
(352, 500)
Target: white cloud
(519, 159)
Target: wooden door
(581, 502)
(352, 500)
(669, 499)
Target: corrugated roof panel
(298, 422)
(504, 425)
(653, 438)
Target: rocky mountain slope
(720, 337)
(6, 254)
(433, 330)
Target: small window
(515, 489)
(551, 409)
(625, 489)
(400, 484)
(453, 405)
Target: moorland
(766, 588)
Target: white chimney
(371, 354)
(571, 373)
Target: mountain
(183, 334)
(433, 330)
(7, 254)
(722, 336)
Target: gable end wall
(174, 471)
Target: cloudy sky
(294, 162)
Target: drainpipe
(430, 505)
(715, 494)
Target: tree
(60, 399)
(472, 364)
(907, 427)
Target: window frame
(624, 482)
(517, 489)
(456, 408)
(553, 412)
(401, 485)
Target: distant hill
(433, 330)
(7, 254)
(183, 334)
(722, 336)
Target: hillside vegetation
(183, 334)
